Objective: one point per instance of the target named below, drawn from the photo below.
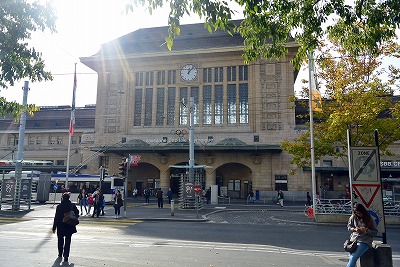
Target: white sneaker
(115, 216)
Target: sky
(82, 26)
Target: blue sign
(55, 187)
(375, 216)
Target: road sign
(55, 187)
(197, 189)
(367, 192)
(364, 161)
(188, 192)
(366, 183)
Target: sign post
(366, 183)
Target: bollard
(380, 255)
(172, 207)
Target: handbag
(350, 246)
(70, 218)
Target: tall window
(172, 77)
(149, 78)
(207, 75)
(160, 106)
(207, 106)
(218, 74)
(139, 79)
(194, 91)
(243, 73)
(171, 106)
(183, 107)
(148, 107)
(160, 77)
(219, 105)
(243, 103)
(231, 103)
(137, 119)
(231, 74)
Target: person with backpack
(64, 230)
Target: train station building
(241, 115)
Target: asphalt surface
(136, 209)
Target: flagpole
(310, 82)
(71, 129)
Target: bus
(34, 186)
(89, 182)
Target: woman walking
(64, 230)
(82, 198)
(362, 228)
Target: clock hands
(190, 69)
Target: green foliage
(269, 25)
(18, 19)
(356, 99)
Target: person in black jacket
(63, 229)
(118, 203)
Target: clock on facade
(189, 72)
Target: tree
(18, 19)
(269, 25)
(357, 98)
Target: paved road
(231, 235)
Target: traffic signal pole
(126, 182)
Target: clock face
(189, 72)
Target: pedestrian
(251, 196)
(103, 205)
(118, 203)
(135, 193)
(64, 230)
(208, 195)
(147, 195)
(95, 201)
(169, 195)
(63, 191)
(82, 198)
(280, 198)
(160, 200)
(362, 228)
(90, 203)
(308, 199)
(99, 203)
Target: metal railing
(344, 206)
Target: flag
(72, 121)
(316, 99)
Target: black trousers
(160, 202)
(64, 246)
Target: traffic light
(103, 173)
(122, 168)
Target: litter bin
(257, 195)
